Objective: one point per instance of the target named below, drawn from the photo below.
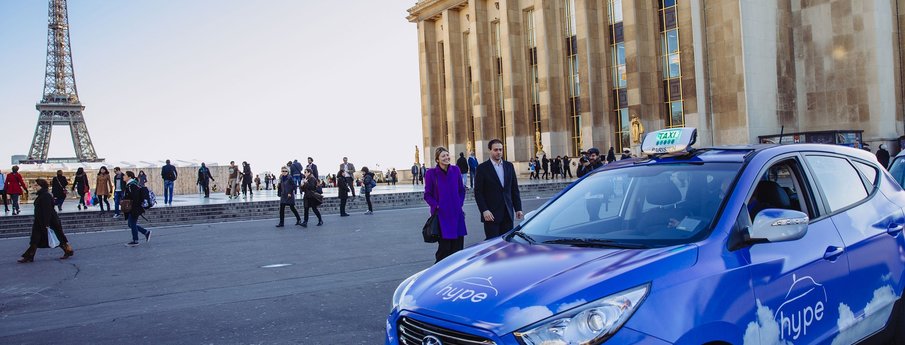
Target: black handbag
(431, 230)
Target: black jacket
(80, 183)
(584, 170)
(58, 186)
(168, 173)
(45, 216)
(462, 163)
(343, 186)
(490, 195)
(133, 192)
(313, 168)
(204, 175)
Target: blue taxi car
(767, 244)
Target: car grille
(412, 332)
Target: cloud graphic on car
(853, 328)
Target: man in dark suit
(496, 192)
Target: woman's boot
(29, 255)
(67, 251)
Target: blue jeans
(133, 224)
(168, 192)
(464, 180)
(15, 200)
(117, 196)
(471, 174)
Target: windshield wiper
(594, 242)
(524, 236)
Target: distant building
(578, 71)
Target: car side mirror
(778, 225)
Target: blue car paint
(699, 292)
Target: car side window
(839, 181)
(869, 172)
(779, 187)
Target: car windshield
(897, 170)
(635, 207)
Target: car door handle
(895, 229)
(832, 252)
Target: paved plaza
(217, 283)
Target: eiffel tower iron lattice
(60, 105)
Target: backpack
(372, 183)
(148, 198)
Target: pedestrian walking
(545, 165)
(611, 155)
(496, 192)
(350, 172)
(58, 189)
(119, 188)
(312, 198)
(15, 187)
(556, 167)
(343, 185)
(532, 168)
(883, 156)
(80, 186)
(393, 176)
(3, 192)
(46, 219)
(462, 164)
(386, 178)
(102, 188)
(257, 182)
(169, 174)
(421, 174)
(444, 192)
(142, 178)
(233, 180)
(472, 167)
(566, 166)
(368, 184)
(415, 171)
(247, 179)
(133, 209)
(204, 180)
(286, 191)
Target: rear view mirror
(778, 225)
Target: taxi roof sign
(668, 141)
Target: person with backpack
(80, 186)
(15, 186)
(368, 185)
(168, 174)
(204, 180)
(136, 195)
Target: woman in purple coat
(445, 193)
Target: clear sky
(219, 80)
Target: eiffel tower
(60, 105)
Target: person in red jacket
(15, 186)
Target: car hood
(501, 286)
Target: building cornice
(432, 9)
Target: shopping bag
(88, 200)
(52, 240)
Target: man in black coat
(496, 192)
(462, 163)
(593, 162)
(883, 156)
(204, 179)
(313, 168)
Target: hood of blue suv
(502, 286)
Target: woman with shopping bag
(81, 187)
(46, 231)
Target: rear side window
(897, 170)
(839, 181)
(869, 172)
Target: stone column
(593, 47)
(430, 112)
(643, 71)
(518, 137)
(551, 70)
(454, 114)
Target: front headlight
(591, 323)
(404, 287)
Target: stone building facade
(566, 75)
